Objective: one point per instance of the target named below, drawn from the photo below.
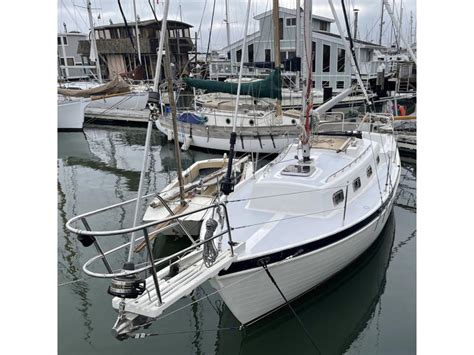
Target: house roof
(355, 40)
(143, 23)
(291, 12)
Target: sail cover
(269, 87)
(116, 86)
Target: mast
(94, 43)
(227, 185)
(149, 128)
(227, 29)
(308, 104)
(400, 25)
(348, 50)
(381, 26)
(298, 39)
(395, 22)
(137, 34)
(169, 81)
(276, 43)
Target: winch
(127, 286)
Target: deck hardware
(127, 286)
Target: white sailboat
(274, 235)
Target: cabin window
(369, 171)
(290, 21)
(323, 26)
(339, 85)
(239, 55)
(341, 60)
(356, 184)
(326, 58)
(378, 159)
(268, 55)
(338, 197)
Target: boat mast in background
(276, 43)
(94, 54)
(308, 102)
(400, 35)
(381, 26)
(149, 127)
(227, 29)
(349, 51)
(298, 44)
(137, 33)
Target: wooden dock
(93, 115)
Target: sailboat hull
(71, 114)
(249, 139)
(250, 294)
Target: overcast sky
(198, 13)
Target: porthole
(338, 197)
(369, 171)
(227, 120)
(293, 121)
(356, 184)
(378, 159)
(251, 122)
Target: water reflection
(334, 313)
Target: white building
(331, 66)
(71, 64)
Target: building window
(250, 51)
(280, 22)
(325, 84)
(341, 60)
(290, 21)
(338, 197)
(228, 55)
(369, 171)
(356, 184)
(239, 55)
(59, 40)
(326, 58)
(313, 56)
(61, 61)
(339, 85)
(268, 55)
(323, 26)
(282, 56)
(291, 54)
(70, 61)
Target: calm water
(367, 309)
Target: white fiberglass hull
(250, 294)
(217, 138)
(71, 114)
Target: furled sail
(118, 85)
(269, 87)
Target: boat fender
(86, 240)
(209, 253)
(402, 110)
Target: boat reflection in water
(334, 313)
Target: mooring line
(264, 265)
